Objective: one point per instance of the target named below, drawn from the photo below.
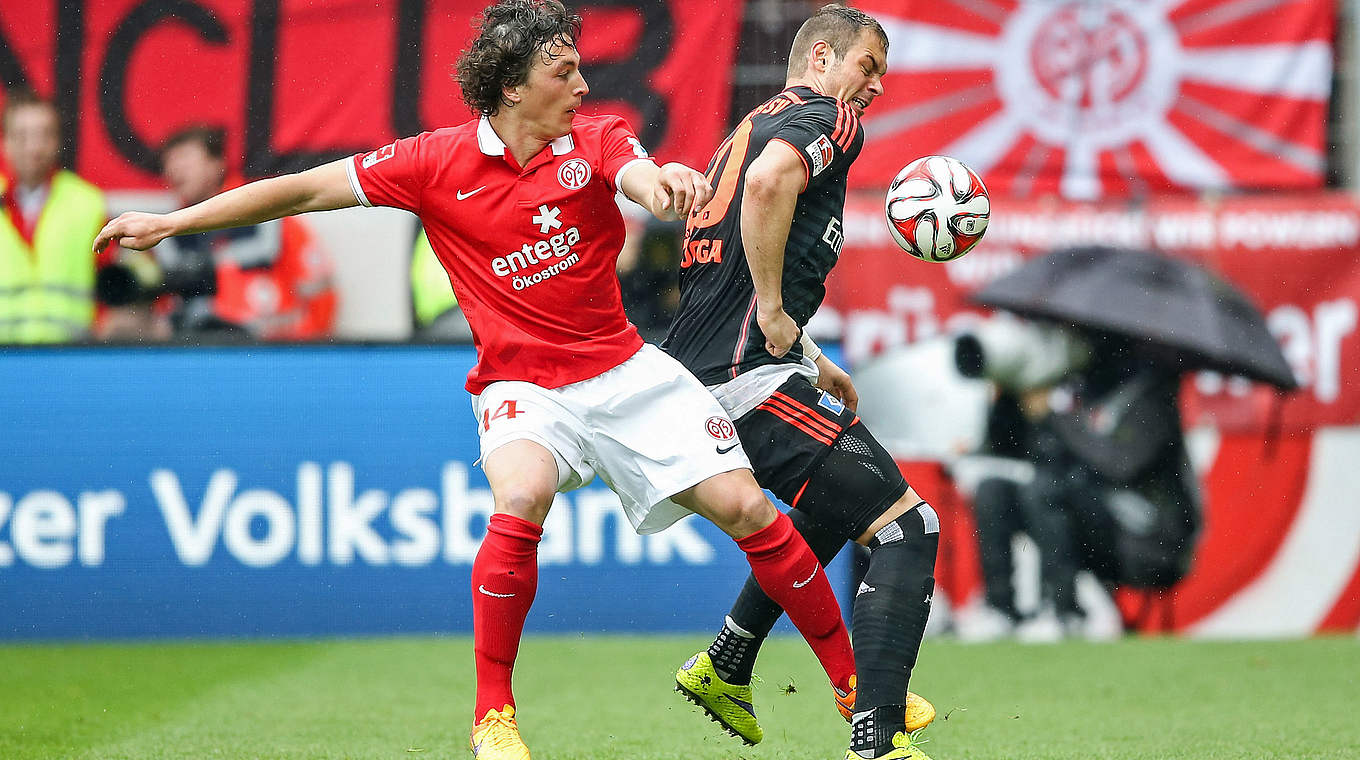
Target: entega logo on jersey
(529, 254)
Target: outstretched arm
(323, 188)
(670, 192)
(773, 183)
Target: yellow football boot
(496, 737)
(730, 705)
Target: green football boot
(728, 704)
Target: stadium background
(298, 490)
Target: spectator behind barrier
(50, 220)
(269, 281)
(433, 304)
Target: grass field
(610, 697)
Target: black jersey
(715, 333)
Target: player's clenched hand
(837, 382)
(780, 331)
(134, 230)
(679, 190)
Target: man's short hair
(509, 34)
(23, 98)
(213, 140)
(839, 26)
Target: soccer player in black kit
(753, 272)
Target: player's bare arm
(322, 188)
(670, 192)
(773, 182)
(830, 377)
(836, 381)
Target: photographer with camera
(1020, 454)
(1111, 491)
(1131, 490)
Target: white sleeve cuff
(354, 183)
(618, 176)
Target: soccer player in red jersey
(519, 207)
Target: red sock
(504, 579)
(789, 573)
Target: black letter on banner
(70, 44)
(260, 156)
(627, 80)
(70, 39)
(410, 60)
(113, 71)
(11, 68)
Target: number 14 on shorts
(507, 409)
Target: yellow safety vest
(431, 293)
(47, 288)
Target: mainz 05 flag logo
(1105, 97)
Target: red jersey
(530, 251)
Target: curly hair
(508, 35)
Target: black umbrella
(1207, 323)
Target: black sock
(755, 613)
(733, 652)
(891, 609)
(871, 731)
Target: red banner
(1089, 100)
(298, 82)
(1298, 258)
(1278, 555)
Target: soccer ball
(937, 208)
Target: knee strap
(917, 522)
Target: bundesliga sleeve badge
(820, 152)
(381, 154)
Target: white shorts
(647, 427)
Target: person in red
(519, 207)
(271, 279)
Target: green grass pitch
(595, 697)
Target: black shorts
(815, 454)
